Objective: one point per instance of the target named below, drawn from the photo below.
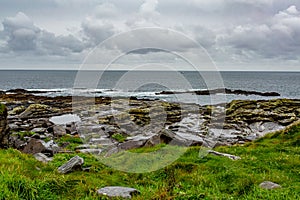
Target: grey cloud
(21, 32)
(237, 29)
(22, 35)
(277, 38)
(97, 30)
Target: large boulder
(39, 146)
(4, 128)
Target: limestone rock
(232, 157)
(269, 185)
(118, 191)
(42, 157)
(73, 164)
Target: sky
(242, 35)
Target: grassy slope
(275, 158)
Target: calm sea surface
(145, 84)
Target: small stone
(268, 185)
(38, 130)
(90, 151)
(42, 157)
(118, 191)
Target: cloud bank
(237, 34)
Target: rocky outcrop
(222, 91)
(4, 128)
(281, 111)
(113, 125)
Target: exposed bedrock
(113, 125)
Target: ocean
(145, 84)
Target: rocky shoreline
(110, 125)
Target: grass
(275, 157)
(23, 134)
(119, 137)
(2, 108)
(70, 142)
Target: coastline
(146, 122)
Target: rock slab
(42, 157)
(118, 191)
(73, 164)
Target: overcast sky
(237, 34)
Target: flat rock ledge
(118, 191)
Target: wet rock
(268, 185)
(42, 157)
(221, 91)
(4, 128)
(74, 163)
(118, 191)
(17, 91)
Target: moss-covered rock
(38, 110)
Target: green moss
(71, 142)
